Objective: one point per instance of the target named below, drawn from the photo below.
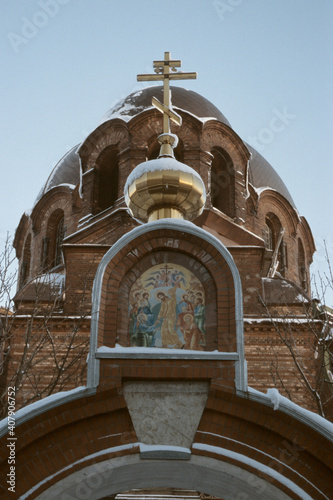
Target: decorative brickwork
(250, 252)
(157, 246)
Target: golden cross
(162, 70)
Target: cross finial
(162, 70)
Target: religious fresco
(167, 309)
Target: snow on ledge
(158, 165)
(255, 464)
(148, 350)
(160, 352)
(115, 449)
(45, 404)
(279, 402)
(161, 447)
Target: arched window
(51, 251)
(223, 182)
(273, 237)
(268, 234)
(106, 190)
(58, 243)
(301, 265)
(25, 265)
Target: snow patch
(149, 350)
(282, 403)
(159, 164)
(158, 447)
(40, 404)
(274, 396)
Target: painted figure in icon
(192, 334)
(144, 331)
(167, 309)
(167, 317)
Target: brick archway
(85, 444)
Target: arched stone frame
(84, 437)
(174, 258)
(112, 133)
(219, 135)
(56, 201)
(233, 309)
(205, 474)
(270, 201)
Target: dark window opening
(45, 252)
(106, 189)
(223, 182)
(51, 251)
(283, 258)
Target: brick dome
(261, 173)
(66, 172)
(182, 99)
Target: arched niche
(106, 179)
(222, 182)
(141, 249)
(171, 302)
(51, 251)
(273, 237)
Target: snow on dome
(159, 164)
(66, 172)
(261, 174)
(183, 99)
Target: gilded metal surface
(162, 70)
(166, 193)
(172, 192)
(168, 142)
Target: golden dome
(165, 187)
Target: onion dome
(165, 187)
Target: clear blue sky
(66, 62)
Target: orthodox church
(177, 251)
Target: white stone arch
(185, 227)
(200, 473)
